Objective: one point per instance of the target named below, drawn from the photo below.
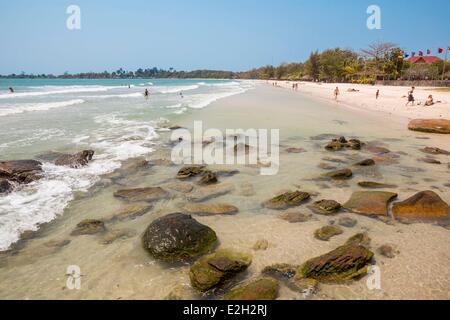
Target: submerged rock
(342, 143)
(287, 200)
(260, 289)
(365, 163)
(387, 251)
(208, 178)
(345, 263)
(347, 222)
(89, 227)
(435, 151)
(118, 234)
(371, 203)
(430, 160)
(214, 269)
(142, 194)
(208, 192)
(295, 150)
(21, 171)
(5, 186)
(307, 286)
(178, 237)
(75, 161)
(325, 207)
(130, 212)
(376, 185)
(328, 232)
(181, 187)
(295, 217)
(361, 239)
(441, 126)
(423, 206)
(189, 172)
(261, 245)
(342, 174)
(210, 209)
(281, 271)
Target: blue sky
(213, 34)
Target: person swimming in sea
(11, 90)
(181, 95)
(146, 94)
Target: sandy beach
(391, 101)
(114, 264)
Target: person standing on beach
(336, 93)
(411, 97)
(11, 90)
(146, 93)
(377, 95)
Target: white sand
(392, 99)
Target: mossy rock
(260, 289)
(213, 270)
(178, 237)
(189, 172)
(280, 271)
(325, 207)
(327, 232)
(345, 263)
(286, 200)
(361, 239)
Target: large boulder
(441, 126)
(425, 205)
(345, 263)
(370, 203)
(260, 289)
(21, 171)
(286, 200)
(142, 194)
(214, 269)
(178, 237)
(75, 161)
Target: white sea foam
(109, 96)
(8, 109)
(53, 90)
(203, 100)
(175, 89)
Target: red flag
(428, 51)
(440, 50)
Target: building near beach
(424, 60)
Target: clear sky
(211, 34)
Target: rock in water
(342, 174)
(325, 207)
(208, 178)
(286, 200)
(89, 227)
(327, 232)
(129, 212)
(361, 239)
(213, 270)
(295, 150)
(261, 245)
(77, 160)
(376, 185)
(178, 237)
(261, 289)
(347, 222)
(142, 194)
(441, 126)
(5, 186)
(210, 209)
(281, 271)
(423, 206)
(295, 217)
(435, 151)
(366, 163)
(21, 171)
(371, 203)
(387, 251)
(345, 263)
(208, 192)
(189, 172)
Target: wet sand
(124, 270)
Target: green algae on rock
(327, 232)
(325, 207)
(287, 200)
(214, 269)
(260, 289)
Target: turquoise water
(111, 117)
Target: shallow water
(123, 270)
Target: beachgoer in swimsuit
(146, 93)
(430, 101)
(411, 97)
(336, 93)
(11, 90)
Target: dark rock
(213, 270)
(430, 160)
(178, 237)
(376, 185)
(423, 206)
(371, 203)
(326, 166)
(189, 172)
(5, 186)
(21, 171)
(261, 289)
(342, 143)
(75, 161)
(327, 232)
(345, 263)
(142, 194)
(89, 227)
(208, 178)
(286, 200)
(366, 163)
(325, 207)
